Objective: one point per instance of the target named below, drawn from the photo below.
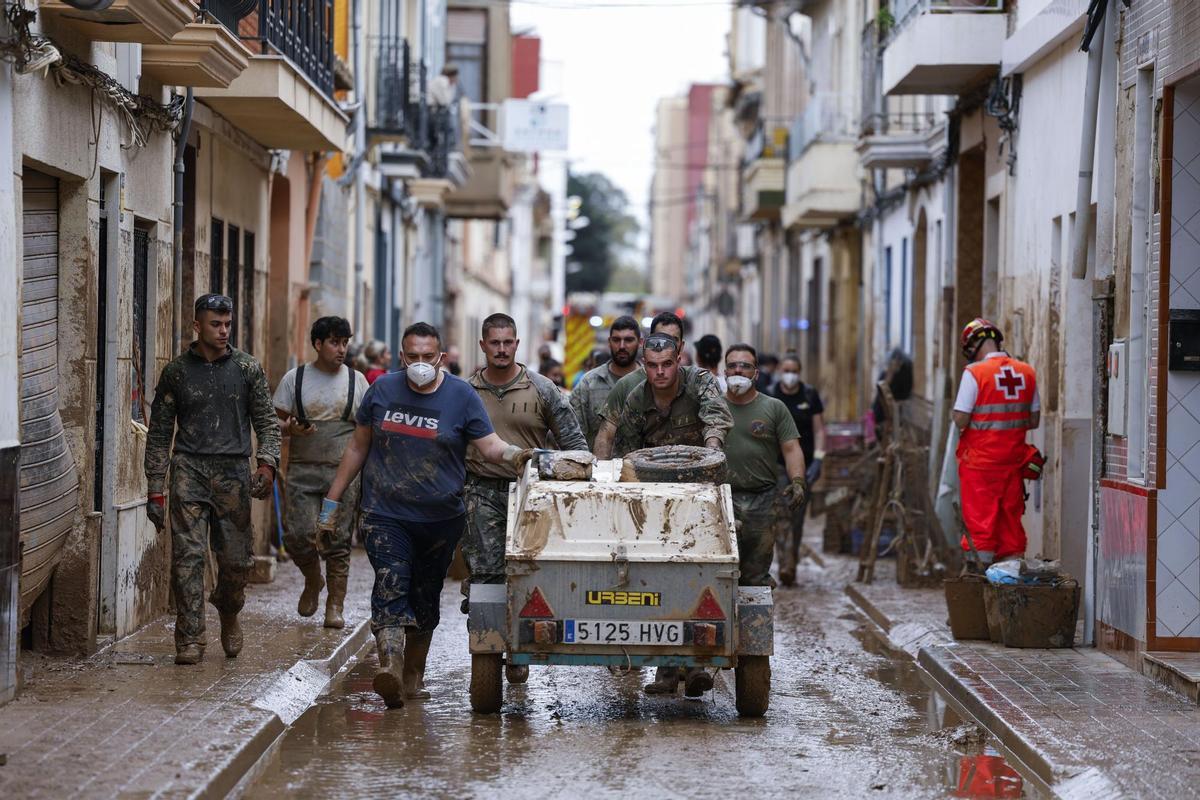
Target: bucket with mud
(991, 607)
(964, 602)
(1039, 615)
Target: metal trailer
(612, 573)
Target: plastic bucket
(964, 602)
(1038, 616)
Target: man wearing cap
(207, 400)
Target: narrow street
(845, 721)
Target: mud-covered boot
(189, 654)
(310, 598)
(335, 601)
(231, 635)
(697, 682)
(516, 673)
(388, 683)
(666, 680)
(416, 651)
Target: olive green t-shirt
(752, 448)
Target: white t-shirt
(968, 390)
(324, 395)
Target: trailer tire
(752, 685)
(487, 682)
(677, 463)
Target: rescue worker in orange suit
(997, 403)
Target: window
(466, 48)
(140, 374)
(247, 309)
(233, 282)
(216, 261)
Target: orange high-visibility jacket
(995, 436)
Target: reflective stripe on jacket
(995, 435)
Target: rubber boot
(189, 654)
(335, 601)
(697, 682)
(310, 598)
(416, 651)
(666, 681)
(787, 577)
(388, 684)
(231, 635)
(516, 673)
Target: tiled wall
(1177, 579)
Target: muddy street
(846, 720)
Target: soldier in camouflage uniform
(526, 409)
(208, 399)
(667, 404)
(587, 399)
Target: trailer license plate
(603, 631)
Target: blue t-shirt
(416, 467)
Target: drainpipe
(185, 130)
(360, 150)
(1087, 150)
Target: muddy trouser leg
(433, 550)
(232, 532)
(756, 522)
(483, 543)
(191, 506)
(305, 486)
(389, 544)
(788, 525)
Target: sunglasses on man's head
(216, 302)
(661, 342)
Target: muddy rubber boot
(231, 635)
(416, 651)
(310, 598)
(189, 654)
(666, 681)
(697, 682)
(388, 684)
(516, 673)
(335, 601)
(787, 577)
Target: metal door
(49, 481)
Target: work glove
(813, 473)
(262, 481)
(796, 492)
(297, 428)
(156, 509)
(327, 523)
(519, 457)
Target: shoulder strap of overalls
(349, 395)
(300, 415)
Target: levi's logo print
(411, 421)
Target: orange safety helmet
(975, 332)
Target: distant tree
(599, 247)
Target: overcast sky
(611, 61)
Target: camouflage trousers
(210, 506)
(757, 515)
(305, 486)
(790, 533)
(487, 524)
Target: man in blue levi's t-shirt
(410, 442)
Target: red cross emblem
(1010, 382)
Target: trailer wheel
(487, 685)
(677, 463)
(752, 682)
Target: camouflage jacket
(209, 409)
(526, 412)
(698, 412)
(588, 397)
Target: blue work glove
(813, 473)
(327, 520)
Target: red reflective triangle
(708, 607)
(536, 605)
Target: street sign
(530, 126)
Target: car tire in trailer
(487, 682)
(752, 685)
(677, 463)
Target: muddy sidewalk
(127, 721)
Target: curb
(285, 699)
(906, 638)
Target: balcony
(822, 174)
(284, 98)
(139, 21)
(488, 190)
(901, 140)
(201, 55)
(763, 170)
(942, 46)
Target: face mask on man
(422, 374)
(739, 384)
(790, 380)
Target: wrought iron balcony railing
(825, 118)
(403, 109)
(301, 30)
(904, 11)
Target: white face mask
(422, 374)
(790, 380)
(739, 384)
